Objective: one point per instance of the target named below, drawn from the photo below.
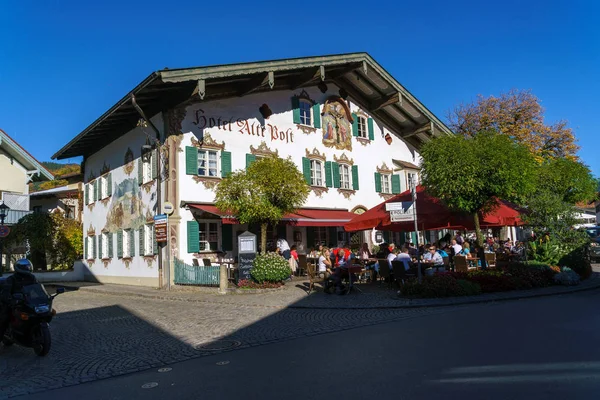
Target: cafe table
(473, 262)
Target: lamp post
(3, 213)
(413, 191)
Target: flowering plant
(270, 267)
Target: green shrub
(468, 288)
(270, 267)
(578, 261)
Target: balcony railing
(13, 216)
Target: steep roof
(365, 81)
(13, 148)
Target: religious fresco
(337, 124)
(126, 210)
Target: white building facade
(350, 128)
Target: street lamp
(3, 213)
(413, 191)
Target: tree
(267, 190)
(469, 173)
(571, 180)
(519, 115)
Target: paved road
(542, 348)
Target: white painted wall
(13, 176)
(293, 143)
(139, 271)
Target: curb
(447, 302)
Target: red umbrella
(432, 214)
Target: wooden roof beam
(309, 77)
(259, 81)
(385, 101)
(423, 128)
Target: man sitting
(433, 257)
(404, 257)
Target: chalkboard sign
(245, 263)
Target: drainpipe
(158, 180)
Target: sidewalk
(294, 295)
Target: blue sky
(63, 63)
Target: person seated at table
(340, 271)
(404, 257)
(364, 252)
(283, 248)
(433, 257)
(412, 250)
(325, 266)
(294, 258)
(456, 248)
(392, 256)
(466, 250)
(442, 252)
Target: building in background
(350, 127)
(64, 199)
(18, 168)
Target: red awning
(302, 217)
(432, 214)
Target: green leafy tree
(267, 190)
(470, 173)
(571, 180)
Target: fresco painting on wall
(126, 209)
(337, 124)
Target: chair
(490, 259)
(446, 262)
(399, 271)
(385, 270)
(302, 263)
(206, 262)
(312, 277)
(460, 264)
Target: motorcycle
(31, 312)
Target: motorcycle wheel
(42, 340)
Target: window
(208, 163)
(37, 209)
(362, 127)
(148, 239)
(321, 235)
(104, 249)
(316, 173)
(147, 170)
(411, 179)
(305, 112)
(385, 183)
(209, 236)
(69, 212)
(127, 239)
(345, 174)
(91, 244)
(90, 193)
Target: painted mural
(337, 124)
(126, 210)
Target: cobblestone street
(101, 335)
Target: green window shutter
(98, 249)
(85, 248)
(142, 241)
(386, 236)
(332, 231)
(154, 242)
(310, 237)
(316, 115)
(414, 238)
(86, 194)
(296, 109)
(306, 169)
(96, 190)
(328, 174)
(119, 244)
(395, 184)
(131, 243)
(110, 245)
(402, 238)
(109, 184)
(140, 171)
(354, 125)
(153, 165)
(335, 169)
(225, 164)
(355, 177)
(95, 247)
(227, 237)
(377, 182)
(193, 237)
(191, 160)
(250, 158)
(370, 127)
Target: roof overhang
(365, 81)
(33, 166)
